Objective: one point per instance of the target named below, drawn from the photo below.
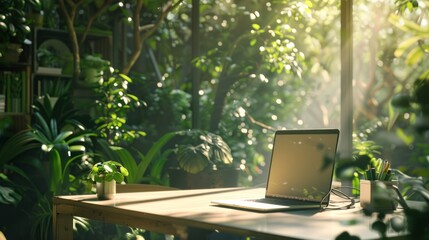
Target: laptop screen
(302, 164)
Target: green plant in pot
(55, 89)
(92, 67)
(204, 160)
(106, 175)
(13, 29)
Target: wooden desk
(173, 212)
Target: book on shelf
(2, 103)
(12, 91)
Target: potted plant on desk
(106, 175)
(204, 160)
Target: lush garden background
(240, 69)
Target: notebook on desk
(300, 172)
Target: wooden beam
(346, 143)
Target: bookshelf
(27, 80)
(50, 77)
(15, 98)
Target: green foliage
(57, 142)
(51, 15)
(12, 192)
(409, 5)
(415, 49)
(63, 140)
(200, 149)
(16, 145)
(94, 61)
(138, 167)
(415, 220)
(252, 68)
(56, 88)
(34, 5)
(136, 233)
(414, 46)
(366, 147)
(142, 167)
(8, 195)
(13, 26)
(108, 171)
(48, 57)
(413, 102)
(41, 217)
(58, 139)
(113, 105)
(166, 109)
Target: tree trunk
(225, 84)
(69, 13)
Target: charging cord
(349, 203)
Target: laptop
(300, 173)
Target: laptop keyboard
(282, 202)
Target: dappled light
(190, 93)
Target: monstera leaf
(201, 150)
(193, 159)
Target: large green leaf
(9, 196)
(128, 161)
(193, 159)
(408, 43)
(16, 145)
(154, 150)
(137, 167)
(56, 171)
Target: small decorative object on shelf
(377, 193)
(106, 175)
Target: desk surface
(180, 209)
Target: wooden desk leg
(62, 225)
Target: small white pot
(106, 190)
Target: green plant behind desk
(143, 166)
(62, 137)
(199, 150)
(113, 105)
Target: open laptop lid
(302, 164)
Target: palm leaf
(128, 161)
(153, 151)
(16, 145)
(42, 126)
(56, 170)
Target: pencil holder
(378, 196)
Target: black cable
(342, 195)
